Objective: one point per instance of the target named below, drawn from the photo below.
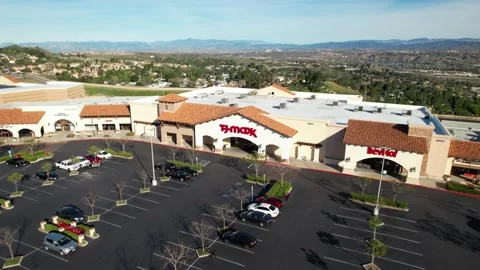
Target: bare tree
(142, 176)
(399, 187)
(362, 183)
(93, 150)
(7, 238)
(124, 140)
(90, 199)
(192, 155)
(47, 167)
(176, 255)
(15, 178)
(241, 194)
(223, 211)
(32, 145)
(108, 141)
(173, 151)
(254, 160)
(281, 169)
(120, 186)
(202, 230)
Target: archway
(26, 133)
(239, 144)
(273, 151)
(208, 142)
(42, 131)
(64, 125)
(5, 133)
(392, 168)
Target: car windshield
(103, 153)
(271, 207)
(64, 241)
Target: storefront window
(108, 126)
(125, 127)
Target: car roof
(266, 205)
(69, 206)
(55, 236)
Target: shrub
(254, 178)
(106, 136)
(85, 227)
(4, 158)
(71, 235)
(373, 199)
(51, 227)
(36, 155)
(2, 201)
(458, 187)
(119, 153)
(279, 190)
(186, 164)
(71, 135)
(130, 133)
(376, 248)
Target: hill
(34, 51)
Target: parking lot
(317, 229)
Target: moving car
(165, 167)
(18, 162)
(93, 159)
(59, 243)
(237, 237)
(182, 175)
(71, 212)
(264, 208)
(277, 202)
(104, 155)
(260, 218)
(189, 170)
(46, 175)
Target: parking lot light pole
(154, 181)
(377, 206)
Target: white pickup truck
(67, 165)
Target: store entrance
(391, 168)
(239, 145)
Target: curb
(268, 162)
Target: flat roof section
(463, 130)
(33, 87)
(83, 101)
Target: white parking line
(386, 225)
(134, 206)
(9, 192)
(344, 262)
(216, 257)
(387, 235)
(69, 180)
(225, 244)
(178, 182)
(41, 250)
(239, 222)
(110, 161)
(158, 193)
(50, 185)
(171, 188)
(206, 163)
(108, 167)
(194, 262)
(109, 223)
(36, 189)
(363, 211)
(141, 268)
(33, 251)
(186, 264)
(110, 211)
(360, 240)
(135, 196)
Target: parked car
(104, 155)
(18, 162)
(264, 208)
(83, 162)
(165, 167)
(93, 159)
(181, 175)
(46, 175)
(71, 212)
(67, 165)
(59, 243)
(277, 202)
(260, 218)
(237, 237)
(70, 228)
(189, 170)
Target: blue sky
(287, 21)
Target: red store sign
(239, 130)
(382, 152)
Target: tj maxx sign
(239, 130)
(381, 152)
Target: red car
(270, 200)
(93, 159)
(69, 227)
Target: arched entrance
(64, 125)
(239, 144)
(208, 142)
(273, 151)
(5, 133)
(26, 133)
(392, 168)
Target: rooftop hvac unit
(235, 105)
(203, 95)
(225, 100)
(404, 112)
(219, 92)
(313, 97)
(409, 112)
(360, 108)
(335, 103)
(243, 96)
(283, 105)
(296, 100)
(427, 116)
(379, 110)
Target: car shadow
(336, 219)
(156, 241)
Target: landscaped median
(254, 179)
(180, 164)
(12, 262)
(383, 202)
(120, 154)
(36, 157)
(279, 190)
(70, 228)
(6, 204)
(459, 187)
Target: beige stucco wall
(43, 95)
(179, 131)
(438, 156)
(144, 112)
(333, 148)
(5, 81)
(267, 91)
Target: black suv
(260, 218)
(18, 162)
(237, 237)
(182, 175)
(165, 167)
(46, 175)
(189, 170)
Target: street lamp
(377, 206)
(154, 181)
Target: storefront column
(300, 152)
(117, 126)
(262, 148)
(218, 145)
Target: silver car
(59, 243)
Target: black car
(18, 162)
(237, 237)
(189, 170)
(71, 212)
(46, 175)
(182, 175)
(260, 218)
(165, 167)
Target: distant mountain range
(214, 45)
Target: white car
(104, 155)
(264, 208)
(82, 162)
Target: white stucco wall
(55, 113)
(265, 136)
(406, 159)
(103, 120)
(145, 112)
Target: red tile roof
(172, 98)
(10, 78)
(111, 110)
(377, 134)
(464, 149)
(18, 117)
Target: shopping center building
(337, 130)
